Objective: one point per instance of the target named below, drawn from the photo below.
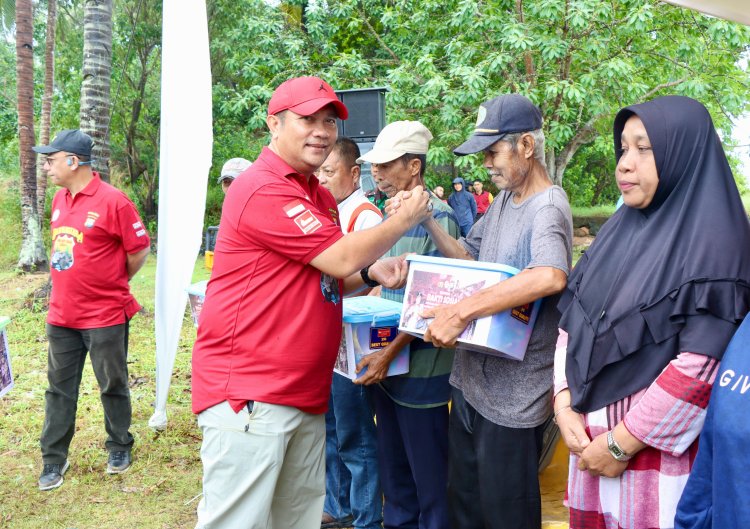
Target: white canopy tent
(736, 10)
(184, 161)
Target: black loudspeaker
(366, 112)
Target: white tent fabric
(736, 10)
(185, 158)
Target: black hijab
(672, 277)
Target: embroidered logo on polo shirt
(303, 217)
(62, 252)
(90, 219)
(307, 222)
(334, 216)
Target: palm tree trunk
(97, 73)
(33, 255)
(49, 78)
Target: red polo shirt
(271, 323)
(92, 233)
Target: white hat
(233, 168)
(396, 139)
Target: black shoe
(118, 462)
(338, 524)
(52, 475)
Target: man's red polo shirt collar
(310, 185)
(90, 189)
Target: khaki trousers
(261, 470)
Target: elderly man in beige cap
(231, 169)
(412, 409)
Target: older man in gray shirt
(499, 405)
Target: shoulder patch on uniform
(307, 222)
(294, 208)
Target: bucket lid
(198, 289)
(4, 320)
(463, 263)
(371, 309)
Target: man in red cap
(271, 324)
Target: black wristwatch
(366, 277)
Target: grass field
(166, 475)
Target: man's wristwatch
(615, 449)
(367, 279)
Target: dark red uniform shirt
(271, 323)
(92, 233)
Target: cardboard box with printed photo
(434, 281)
(6, 373)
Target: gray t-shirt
(537, 232)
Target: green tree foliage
(8, 111)
(579, 60)
(136, 100)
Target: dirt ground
(584, 241)
(20, 286)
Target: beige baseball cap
(396, 139)
(233, 168)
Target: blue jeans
(413, 446)
(352, 481)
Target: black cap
(497, 117)
(73, 141)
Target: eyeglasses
(50, 159)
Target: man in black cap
(500, 405)
(98, 244)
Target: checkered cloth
(668, 416)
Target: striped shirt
(426, 383)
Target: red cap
(305, 96)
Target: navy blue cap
(72, 140)
(497, 117)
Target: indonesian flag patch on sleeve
(303, 217)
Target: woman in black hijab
(648, 311)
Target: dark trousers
(108, 348)
(413, 463)
(493, 478)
